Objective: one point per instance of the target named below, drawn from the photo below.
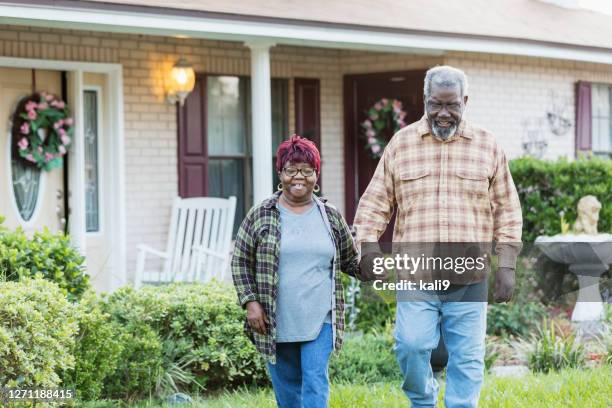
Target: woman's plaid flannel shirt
(255, 267)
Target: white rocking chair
(199, 240)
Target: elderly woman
(288, 254)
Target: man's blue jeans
(417, 333)
(300, 377)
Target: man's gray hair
(445, 76)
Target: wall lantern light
(182, 81)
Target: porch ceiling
(327, 27)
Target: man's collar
(464, 129)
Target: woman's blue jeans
(300, 377)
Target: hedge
(549, 189)
(97, 347)
(127, 345)
(46, 255)
(36, 335)
(181, 337)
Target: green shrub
(607, 332)
(141, 358)
(139, 364)
(36, 335)
(607, 315)
(605, 342)
(374, 308)
(184, 337)
(548, 189)
(366, 359)
(96, 350)
(504, 319)
(551, 350)
(46, 255)
(492, 354)
(374, 314)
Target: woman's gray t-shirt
(306, 257)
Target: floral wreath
(377, 121)
(43, 130)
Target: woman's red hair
(298, 149)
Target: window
(26, 185)
(92, 183)
(601, 125)
(228, 122)
(25, 177)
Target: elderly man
(449, 182)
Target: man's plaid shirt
(458, 190)
(255, 266)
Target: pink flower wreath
(378, 120)
(42, 130)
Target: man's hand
(366, 267)
(257, 317)
(504, 285)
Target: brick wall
(504, 91)
(510, 95)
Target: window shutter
(583, 116)
(192, 150)
(307, 109)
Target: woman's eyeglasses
(293, 171)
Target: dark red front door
(360, 93)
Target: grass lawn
(570, 388)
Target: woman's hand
(257, 317)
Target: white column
(261, 107)
(117, 176)
(76, 165)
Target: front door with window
(98, 202)
(360, 93)
(29, 198)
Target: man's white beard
(443, 133)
